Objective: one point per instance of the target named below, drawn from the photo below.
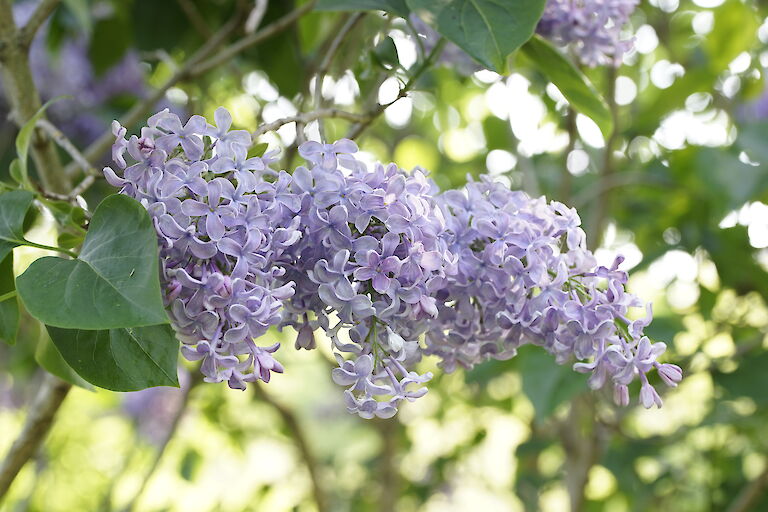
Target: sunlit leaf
(576, 88)
(488, 30)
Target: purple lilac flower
(525, 276)
(221, 231)
(591, 28)
(371, 255)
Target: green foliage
(49, 358)
(112, 284)
(385, 53)
(398, 7)
(576, 88)
(734, 32)
(13, 209)
(126, 359)
(547, 386)
(19, 170)
(487, 30)
(9, 305)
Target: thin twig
(83, 186)
(389, 476)
(325, 64)
(169, 434)
(299, 438)
(357, 129)
(66, 145)
(583, 447)
(750, 494)
(195, 66)
(102, 144)
(270, 30)
(42, 12)
(39, 420)
(592, 193)
(308, 118)
(195, 18)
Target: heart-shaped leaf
(121, 359)
(13, 209)
(49, 358)
(572, 83)
(113, 283)
(488, 30)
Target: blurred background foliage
(680, 188)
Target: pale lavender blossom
(591, 28)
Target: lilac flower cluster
(525, 276)
(371, 258)
(220, 226)
(387, 266)
(592, 28)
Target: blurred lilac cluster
(221, 226)
(525, 276)
(591, 28)
(68, 71)
(387, 266)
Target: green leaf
(110, 39)
(9, 308)
(488, 30)
(65, 213)
(734, 32)
(49, 358)
(547, 384)
(16, 171)
(81, 11)
(24, 138)
(385, 53)
(576, 87)
(121, 359)
(114, 282)
(748, 380)
(398, 7)
(257, 150)
(69, 240)
(13, 209)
